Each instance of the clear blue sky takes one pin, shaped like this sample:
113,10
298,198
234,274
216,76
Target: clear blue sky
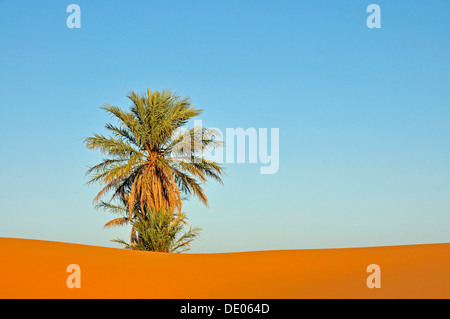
364,115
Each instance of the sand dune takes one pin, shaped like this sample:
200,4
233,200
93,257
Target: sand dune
38,269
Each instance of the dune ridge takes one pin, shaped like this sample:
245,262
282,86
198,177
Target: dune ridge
38,269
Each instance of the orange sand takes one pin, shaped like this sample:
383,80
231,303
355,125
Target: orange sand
37,269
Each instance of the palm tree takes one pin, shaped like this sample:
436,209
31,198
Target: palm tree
150,165
161,232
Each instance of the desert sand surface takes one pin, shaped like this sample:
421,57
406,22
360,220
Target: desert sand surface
38,269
